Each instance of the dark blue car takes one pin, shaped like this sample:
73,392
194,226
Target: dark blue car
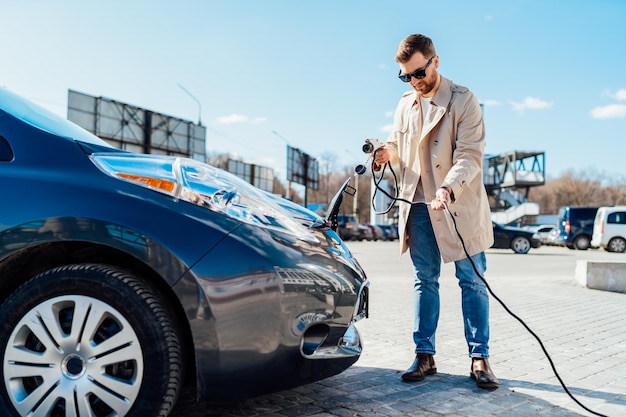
125,278
515,238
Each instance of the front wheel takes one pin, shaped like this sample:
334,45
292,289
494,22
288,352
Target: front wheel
520,244
88,340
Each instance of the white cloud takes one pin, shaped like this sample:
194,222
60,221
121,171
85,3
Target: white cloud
612,111
239,118
531,103
233,118
389,114
488,18
618,95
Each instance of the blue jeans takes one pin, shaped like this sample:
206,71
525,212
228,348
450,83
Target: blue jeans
427,266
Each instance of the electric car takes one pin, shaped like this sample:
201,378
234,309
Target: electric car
125,278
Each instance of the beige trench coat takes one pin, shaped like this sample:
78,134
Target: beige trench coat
449,152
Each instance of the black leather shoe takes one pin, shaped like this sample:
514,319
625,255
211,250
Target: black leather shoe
424,364
483,375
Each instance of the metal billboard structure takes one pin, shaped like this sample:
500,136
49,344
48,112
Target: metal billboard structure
302,169
136,129
260,177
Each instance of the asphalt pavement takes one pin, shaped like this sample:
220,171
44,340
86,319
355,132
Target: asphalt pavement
583,331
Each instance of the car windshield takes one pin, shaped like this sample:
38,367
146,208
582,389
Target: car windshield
44,119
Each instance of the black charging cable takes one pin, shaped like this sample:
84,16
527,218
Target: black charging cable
506,308
543,348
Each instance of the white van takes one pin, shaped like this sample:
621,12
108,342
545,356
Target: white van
609,229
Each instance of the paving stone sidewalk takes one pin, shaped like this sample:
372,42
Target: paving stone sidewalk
583,330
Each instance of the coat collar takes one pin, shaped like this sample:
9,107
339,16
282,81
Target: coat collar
439,105
443,95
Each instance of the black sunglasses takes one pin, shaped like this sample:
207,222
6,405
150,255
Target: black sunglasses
417,74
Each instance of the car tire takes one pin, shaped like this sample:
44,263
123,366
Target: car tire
582,242
520,244
617,244
93,339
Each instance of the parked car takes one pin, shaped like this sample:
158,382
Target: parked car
348,226
126,278
543,231
515,238
390,231
609,229
377,232
365,233
576,226
553,237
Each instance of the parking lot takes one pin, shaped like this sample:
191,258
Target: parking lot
583,330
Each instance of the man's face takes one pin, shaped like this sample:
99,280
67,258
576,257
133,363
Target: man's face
417,62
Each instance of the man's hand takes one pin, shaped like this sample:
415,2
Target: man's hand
442,198
381,156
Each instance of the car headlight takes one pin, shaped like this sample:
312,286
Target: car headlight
203,185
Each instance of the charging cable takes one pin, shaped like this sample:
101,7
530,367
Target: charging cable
543,348
506,308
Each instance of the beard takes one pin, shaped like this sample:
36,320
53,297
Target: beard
426,85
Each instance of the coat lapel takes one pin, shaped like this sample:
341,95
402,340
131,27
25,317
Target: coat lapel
438,106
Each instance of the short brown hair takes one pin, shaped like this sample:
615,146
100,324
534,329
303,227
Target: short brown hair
412,44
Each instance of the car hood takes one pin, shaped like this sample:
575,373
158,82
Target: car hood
182,178
44,119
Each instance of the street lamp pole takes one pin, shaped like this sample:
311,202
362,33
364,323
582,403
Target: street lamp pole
355,200
196,100
288,182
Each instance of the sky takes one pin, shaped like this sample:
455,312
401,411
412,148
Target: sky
320,75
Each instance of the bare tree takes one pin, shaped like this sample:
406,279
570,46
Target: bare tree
218,160
579,188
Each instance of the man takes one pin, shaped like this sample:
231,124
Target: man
437,142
